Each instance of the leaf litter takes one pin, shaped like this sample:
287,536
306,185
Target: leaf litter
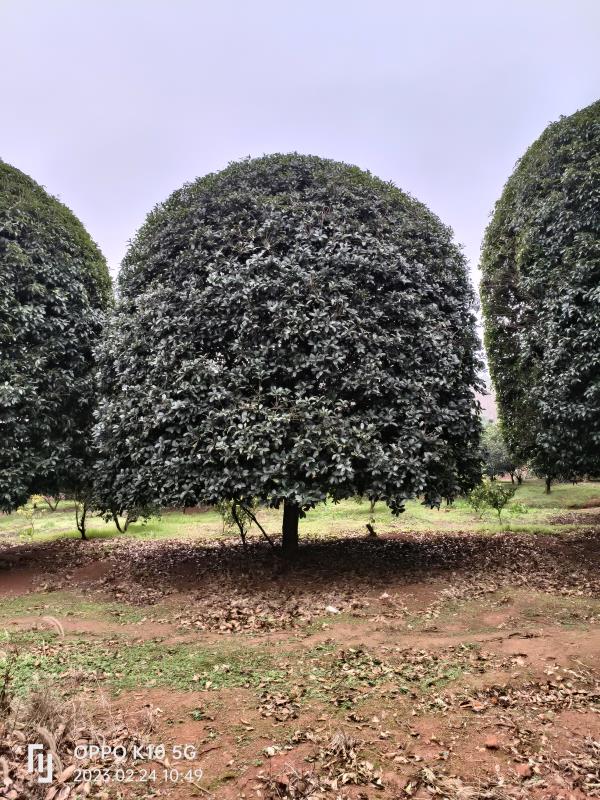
228,592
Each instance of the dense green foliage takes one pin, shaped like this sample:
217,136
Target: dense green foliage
290,329
55,285
541,299
495,456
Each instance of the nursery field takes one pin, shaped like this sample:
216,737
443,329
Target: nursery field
450,656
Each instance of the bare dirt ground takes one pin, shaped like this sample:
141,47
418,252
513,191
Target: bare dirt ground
425,665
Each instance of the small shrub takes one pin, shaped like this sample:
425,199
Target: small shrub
490,495
28,513
517,508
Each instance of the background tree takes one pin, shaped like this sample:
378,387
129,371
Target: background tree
494,453
55,287
541,299
291,329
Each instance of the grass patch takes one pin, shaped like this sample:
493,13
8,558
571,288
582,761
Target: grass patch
571,612
563,495
65,604
122,664
328,519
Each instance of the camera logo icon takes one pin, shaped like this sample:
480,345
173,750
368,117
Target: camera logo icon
41,762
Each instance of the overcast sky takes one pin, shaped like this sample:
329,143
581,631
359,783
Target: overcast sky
113,104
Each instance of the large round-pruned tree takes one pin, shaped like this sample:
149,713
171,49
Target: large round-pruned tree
290,329
54,287
541,299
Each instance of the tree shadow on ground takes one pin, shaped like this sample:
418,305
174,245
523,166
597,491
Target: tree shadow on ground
172,565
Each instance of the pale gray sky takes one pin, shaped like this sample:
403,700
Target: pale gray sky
113,104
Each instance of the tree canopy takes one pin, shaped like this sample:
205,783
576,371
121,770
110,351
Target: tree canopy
541,300
290,329
495,455
55,286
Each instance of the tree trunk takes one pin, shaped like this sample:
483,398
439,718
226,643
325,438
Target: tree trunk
548,484
81,520
289,541
240,525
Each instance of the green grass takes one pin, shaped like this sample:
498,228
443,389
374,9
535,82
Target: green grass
65,604
329,519
37,656
563,495
121,663
60,524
